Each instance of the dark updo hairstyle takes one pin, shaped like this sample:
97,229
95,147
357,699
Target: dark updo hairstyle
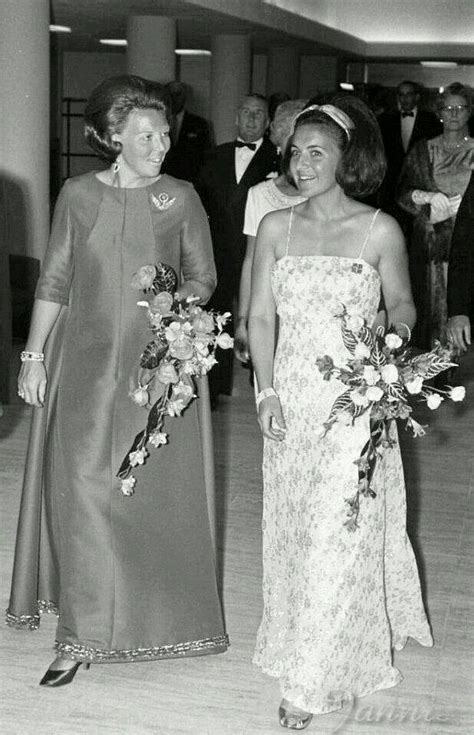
362,166
110,105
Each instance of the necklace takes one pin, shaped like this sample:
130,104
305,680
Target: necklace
453,147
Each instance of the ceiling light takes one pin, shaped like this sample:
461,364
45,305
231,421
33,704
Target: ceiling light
59,29
346,85
439,64
192,52
113,41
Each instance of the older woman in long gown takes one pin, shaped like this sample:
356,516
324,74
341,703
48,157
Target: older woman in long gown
131,578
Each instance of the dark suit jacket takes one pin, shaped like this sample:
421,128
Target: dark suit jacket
461,258
224,201
426,125
186,155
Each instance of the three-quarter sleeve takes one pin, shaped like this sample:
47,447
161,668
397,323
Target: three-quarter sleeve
55,279
197,259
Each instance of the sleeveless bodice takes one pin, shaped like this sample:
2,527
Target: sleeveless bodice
310,291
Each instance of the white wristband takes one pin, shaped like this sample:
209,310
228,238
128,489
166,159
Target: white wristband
265,393
27,356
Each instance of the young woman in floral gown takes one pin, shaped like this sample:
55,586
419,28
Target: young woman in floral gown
336,603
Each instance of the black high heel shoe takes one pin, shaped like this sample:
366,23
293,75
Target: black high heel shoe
60,677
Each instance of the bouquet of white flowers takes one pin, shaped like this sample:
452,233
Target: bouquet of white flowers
380,378
183,346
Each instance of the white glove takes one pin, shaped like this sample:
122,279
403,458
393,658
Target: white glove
440,208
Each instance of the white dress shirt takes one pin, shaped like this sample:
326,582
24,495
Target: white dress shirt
243,156
407,124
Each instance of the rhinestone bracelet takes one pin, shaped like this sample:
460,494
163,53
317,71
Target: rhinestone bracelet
402,324
33,356
265,393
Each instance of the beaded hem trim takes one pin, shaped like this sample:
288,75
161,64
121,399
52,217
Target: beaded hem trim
80,652
31,622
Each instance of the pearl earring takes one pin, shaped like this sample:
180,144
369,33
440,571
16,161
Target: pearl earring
116,167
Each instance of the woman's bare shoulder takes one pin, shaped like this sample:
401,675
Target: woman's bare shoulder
273,222
386,226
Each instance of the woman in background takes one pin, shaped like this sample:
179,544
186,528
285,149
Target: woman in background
131,578
434,177
336,603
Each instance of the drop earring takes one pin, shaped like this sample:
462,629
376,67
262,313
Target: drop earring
116,167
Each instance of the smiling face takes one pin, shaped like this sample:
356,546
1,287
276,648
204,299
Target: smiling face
252,119
454,113
145,141
314,159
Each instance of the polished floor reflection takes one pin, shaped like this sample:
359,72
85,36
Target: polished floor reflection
225,694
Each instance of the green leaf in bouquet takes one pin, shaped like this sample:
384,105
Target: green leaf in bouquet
366,336
153,353
377,357
436,365
396,390
125,467
342,403
348,338
165,279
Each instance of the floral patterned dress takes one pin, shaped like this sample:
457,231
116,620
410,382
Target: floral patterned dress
335,602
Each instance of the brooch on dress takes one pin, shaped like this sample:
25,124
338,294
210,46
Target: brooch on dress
163,201
357,267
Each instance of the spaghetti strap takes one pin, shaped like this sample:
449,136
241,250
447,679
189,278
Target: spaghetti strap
368,234
288,234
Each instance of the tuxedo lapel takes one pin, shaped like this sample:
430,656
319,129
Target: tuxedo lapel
258,167
226,173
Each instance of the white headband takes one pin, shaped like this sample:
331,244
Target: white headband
339,117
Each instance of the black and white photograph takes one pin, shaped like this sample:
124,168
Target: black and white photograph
237,367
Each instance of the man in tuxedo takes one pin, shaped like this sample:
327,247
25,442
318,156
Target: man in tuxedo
229,171
401,129
191,138
461,273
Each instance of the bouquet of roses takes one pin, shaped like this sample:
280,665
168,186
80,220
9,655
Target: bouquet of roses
185,338
380,378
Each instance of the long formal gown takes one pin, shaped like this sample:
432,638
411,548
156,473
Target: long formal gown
336,603
429,167
132,578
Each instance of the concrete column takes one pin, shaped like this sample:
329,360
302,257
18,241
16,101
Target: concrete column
283,70
24,125
151,47
230,80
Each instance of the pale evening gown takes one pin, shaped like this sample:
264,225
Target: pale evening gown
336,603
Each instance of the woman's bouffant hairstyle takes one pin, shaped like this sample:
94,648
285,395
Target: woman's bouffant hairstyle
458,89
283,118
362,166
110,105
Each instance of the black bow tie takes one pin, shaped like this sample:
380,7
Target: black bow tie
408,114
241,144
